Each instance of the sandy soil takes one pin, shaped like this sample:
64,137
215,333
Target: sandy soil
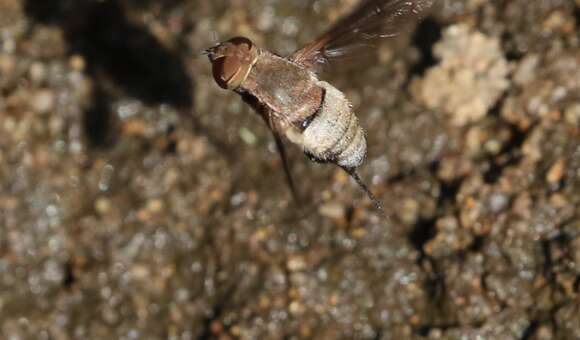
138,200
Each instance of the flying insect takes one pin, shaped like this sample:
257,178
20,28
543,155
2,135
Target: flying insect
288,94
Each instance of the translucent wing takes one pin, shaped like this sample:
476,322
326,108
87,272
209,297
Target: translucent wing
369,21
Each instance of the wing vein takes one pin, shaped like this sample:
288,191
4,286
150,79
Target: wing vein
369,21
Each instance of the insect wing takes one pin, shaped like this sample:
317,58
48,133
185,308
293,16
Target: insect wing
370,20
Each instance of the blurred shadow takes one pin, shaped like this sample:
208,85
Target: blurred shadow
426,35
124,52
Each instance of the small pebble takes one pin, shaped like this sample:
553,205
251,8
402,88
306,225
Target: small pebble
37,72
43,101
77,62
296,263
332,210
103,205
556,172
155,205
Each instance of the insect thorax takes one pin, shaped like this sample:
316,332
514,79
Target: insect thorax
284,87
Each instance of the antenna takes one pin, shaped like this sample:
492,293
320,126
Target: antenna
354,175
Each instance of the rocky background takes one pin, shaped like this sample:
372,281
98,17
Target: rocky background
140,201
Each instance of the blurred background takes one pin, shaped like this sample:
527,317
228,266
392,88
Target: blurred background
138,200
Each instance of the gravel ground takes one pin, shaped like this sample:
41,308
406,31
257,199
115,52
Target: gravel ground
138,200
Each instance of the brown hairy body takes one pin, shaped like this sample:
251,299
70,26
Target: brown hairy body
295,104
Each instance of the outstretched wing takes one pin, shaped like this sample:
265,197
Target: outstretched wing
369,21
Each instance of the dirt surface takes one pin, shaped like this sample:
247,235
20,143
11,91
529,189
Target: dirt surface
139,200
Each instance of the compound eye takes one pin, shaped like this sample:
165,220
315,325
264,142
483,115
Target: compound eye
242,42
225,70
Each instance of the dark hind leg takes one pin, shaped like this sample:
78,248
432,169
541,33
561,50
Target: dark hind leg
286,166
354,175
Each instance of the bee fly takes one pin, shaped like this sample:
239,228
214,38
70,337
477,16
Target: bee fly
287,94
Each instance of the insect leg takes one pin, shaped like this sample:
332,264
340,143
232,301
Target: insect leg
286,165
274,125
354,175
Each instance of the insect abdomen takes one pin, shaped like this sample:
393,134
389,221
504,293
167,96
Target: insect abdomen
334,134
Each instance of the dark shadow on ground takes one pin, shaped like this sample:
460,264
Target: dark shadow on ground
119,51
428,32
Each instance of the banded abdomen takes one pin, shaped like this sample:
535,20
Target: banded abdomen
333,134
